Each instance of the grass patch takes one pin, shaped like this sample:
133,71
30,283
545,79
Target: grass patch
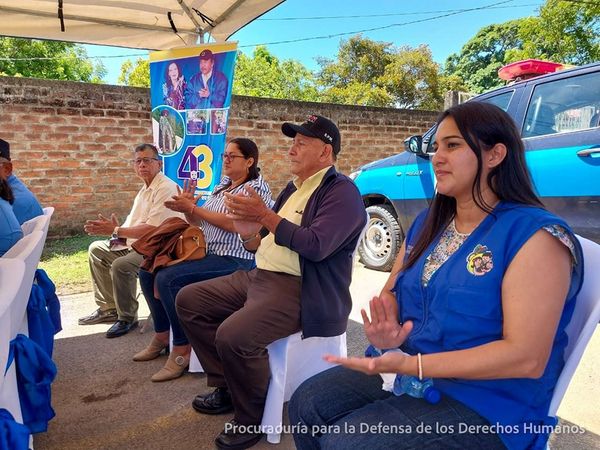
66,262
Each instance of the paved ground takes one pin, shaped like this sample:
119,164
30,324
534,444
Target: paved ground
104,400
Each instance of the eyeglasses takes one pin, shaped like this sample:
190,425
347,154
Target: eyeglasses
146,161
230,156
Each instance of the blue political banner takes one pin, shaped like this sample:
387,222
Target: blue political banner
190,95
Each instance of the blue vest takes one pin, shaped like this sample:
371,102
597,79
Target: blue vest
26,206
10,229
461,307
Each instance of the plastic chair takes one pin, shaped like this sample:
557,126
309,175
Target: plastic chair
29,250
583,323
294,360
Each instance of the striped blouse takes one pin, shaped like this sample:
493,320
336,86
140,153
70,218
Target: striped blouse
219,241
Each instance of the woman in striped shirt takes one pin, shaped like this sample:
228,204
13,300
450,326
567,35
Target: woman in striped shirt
225,253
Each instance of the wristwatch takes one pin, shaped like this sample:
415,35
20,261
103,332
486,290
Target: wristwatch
115,233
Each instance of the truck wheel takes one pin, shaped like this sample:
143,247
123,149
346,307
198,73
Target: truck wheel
382,240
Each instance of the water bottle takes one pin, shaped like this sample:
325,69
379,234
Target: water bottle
411,385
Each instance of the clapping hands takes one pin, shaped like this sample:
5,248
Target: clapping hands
101,226
185,200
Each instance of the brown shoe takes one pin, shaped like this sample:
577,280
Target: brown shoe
151,352
174,368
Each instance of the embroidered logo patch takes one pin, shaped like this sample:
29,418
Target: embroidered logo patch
479,261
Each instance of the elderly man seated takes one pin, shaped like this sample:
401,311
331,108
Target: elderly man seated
113,264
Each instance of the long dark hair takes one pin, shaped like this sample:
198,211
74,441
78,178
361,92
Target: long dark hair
482,125
250,150
6,192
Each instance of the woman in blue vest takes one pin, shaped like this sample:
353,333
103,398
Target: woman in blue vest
478,301
10,230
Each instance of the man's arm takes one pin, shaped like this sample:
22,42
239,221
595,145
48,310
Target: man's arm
340,214
191,93
219,93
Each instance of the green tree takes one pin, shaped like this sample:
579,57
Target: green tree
48,59
563,31
372,73
135,73
265,75
480,58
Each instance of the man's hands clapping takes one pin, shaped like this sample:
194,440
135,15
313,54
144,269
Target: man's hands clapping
101,226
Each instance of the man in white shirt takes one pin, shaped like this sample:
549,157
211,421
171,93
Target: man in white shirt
113,264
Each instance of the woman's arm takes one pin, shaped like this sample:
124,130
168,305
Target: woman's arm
214,218
534,289
185,202
391,281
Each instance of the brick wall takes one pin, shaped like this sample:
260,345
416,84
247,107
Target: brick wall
71,142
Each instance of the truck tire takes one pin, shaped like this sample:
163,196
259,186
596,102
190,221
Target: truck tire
382,240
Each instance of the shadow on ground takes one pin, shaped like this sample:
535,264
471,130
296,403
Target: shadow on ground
104,400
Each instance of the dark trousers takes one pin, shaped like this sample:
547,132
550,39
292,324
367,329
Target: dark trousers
340,409
169,280
229,321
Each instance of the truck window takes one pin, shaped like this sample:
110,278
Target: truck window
564,105
501,101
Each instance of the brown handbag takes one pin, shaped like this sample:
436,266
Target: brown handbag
190,245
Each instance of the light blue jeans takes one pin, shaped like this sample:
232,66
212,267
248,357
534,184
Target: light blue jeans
169,280
343,409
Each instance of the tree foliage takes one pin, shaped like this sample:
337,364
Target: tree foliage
265,75
48,59
135,73
563,31
481,57
372,73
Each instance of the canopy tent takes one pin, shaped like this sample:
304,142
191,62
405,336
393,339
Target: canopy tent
145,24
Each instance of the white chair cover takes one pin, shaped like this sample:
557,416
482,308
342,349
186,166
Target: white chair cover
12,272
583,323
29,250
36,224
294,360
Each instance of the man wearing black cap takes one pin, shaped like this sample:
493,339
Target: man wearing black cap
26,205
207,89
304,249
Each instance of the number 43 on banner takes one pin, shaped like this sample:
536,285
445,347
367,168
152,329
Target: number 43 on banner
197,161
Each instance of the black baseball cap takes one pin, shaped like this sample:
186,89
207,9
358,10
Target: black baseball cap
318,127
4,149
206,54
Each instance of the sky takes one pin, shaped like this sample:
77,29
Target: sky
318,26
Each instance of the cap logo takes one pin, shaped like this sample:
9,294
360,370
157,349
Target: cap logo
328,137
312,118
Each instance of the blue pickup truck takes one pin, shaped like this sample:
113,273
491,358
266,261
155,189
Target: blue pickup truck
559,118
